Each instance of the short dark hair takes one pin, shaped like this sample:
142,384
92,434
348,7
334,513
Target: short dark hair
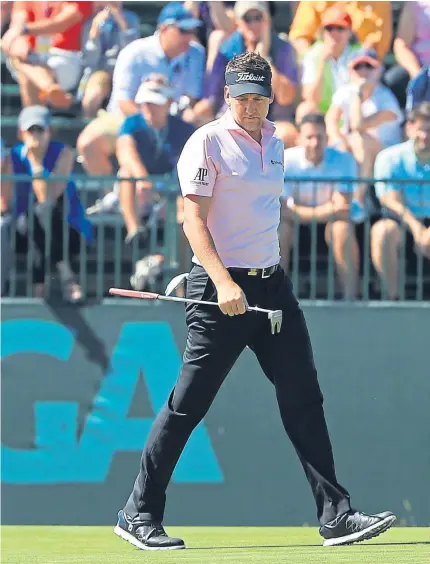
314,118
421,111
249,62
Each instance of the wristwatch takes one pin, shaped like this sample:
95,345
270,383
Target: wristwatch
24,30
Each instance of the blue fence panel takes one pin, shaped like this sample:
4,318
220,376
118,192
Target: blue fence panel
345,268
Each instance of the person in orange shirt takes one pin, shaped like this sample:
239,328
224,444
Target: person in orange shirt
43,46
371,22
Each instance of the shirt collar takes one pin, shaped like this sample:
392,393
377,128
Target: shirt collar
157,49
310,164
228,123
343,57
418,163
160,52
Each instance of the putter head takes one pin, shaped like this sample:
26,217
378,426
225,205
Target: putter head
275,318
175,283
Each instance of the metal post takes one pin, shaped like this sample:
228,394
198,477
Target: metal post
30,245
331,269
366,261
83,248
295,249
314,236
100,260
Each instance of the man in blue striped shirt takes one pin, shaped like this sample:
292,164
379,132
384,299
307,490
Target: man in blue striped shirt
170,51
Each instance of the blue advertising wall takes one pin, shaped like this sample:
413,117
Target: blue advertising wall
81,386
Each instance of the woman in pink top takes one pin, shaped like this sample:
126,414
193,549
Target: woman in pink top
231,176
411,47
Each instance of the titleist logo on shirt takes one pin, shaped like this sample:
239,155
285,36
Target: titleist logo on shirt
248,76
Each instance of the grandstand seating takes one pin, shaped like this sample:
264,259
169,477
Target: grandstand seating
66,127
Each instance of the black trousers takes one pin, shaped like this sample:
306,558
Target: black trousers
214,343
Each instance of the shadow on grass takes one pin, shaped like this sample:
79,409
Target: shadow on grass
259,547
396,543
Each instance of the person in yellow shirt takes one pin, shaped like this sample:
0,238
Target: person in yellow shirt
371,22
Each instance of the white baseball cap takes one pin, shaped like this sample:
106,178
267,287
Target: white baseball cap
151,92
241,8
34,115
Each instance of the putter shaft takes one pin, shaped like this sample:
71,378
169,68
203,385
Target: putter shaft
190,301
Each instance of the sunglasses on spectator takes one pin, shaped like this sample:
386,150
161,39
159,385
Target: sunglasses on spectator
249,18
330,28
184,31
36,129
360,66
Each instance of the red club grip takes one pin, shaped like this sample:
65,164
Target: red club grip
133,294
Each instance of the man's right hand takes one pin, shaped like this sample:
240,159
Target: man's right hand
231,299
97,22
142,186
328,50
35,152
143,191
118,16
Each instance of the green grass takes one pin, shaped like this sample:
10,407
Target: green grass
210,545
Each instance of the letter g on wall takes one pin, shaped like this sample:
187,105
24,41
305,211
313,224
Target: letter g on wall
55,422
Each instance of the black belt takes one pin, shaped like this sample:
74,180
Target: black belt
257,272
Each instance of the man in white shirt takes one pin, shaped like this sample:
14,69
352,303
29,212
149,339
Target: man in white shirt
324,203
370,114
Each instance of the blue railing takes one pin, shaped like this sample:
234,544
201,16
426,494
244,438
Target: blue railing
313,265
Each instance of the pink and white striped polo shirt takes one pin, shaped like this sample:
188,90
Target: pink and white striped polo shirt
245,180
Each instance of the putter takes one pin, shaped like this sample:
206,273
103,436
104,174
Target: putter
175,283
275,316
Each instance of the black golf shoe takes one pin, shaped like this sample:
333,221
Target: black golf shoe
355,526
145,535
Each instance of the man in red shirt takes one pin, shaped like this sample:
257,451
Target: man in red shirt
43,44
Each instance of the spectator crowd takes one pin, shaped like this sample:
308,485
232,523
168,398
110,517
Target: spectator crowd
351,105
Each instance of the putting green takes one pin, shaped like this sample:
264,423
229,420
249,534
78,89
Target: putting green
211,545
